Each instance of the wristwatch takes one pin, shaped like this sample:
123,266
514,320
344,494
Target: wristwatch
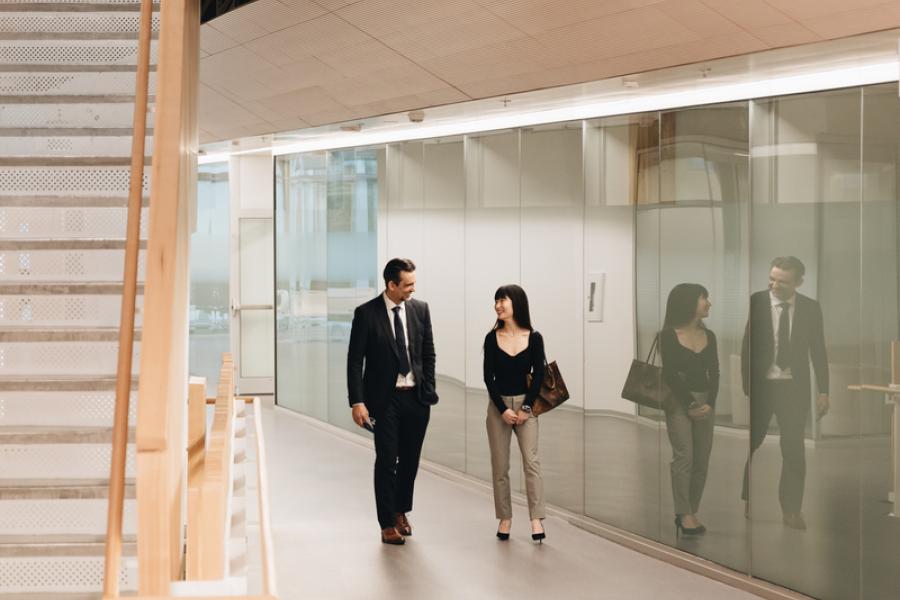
526,408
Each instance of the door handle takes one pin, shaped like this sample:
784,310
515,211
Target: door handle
237,309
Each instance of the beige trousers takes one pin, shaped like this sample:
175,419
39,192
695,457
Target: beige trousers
499,434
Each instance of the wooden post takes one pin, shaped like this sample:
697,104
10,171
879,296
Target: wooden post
163,375
196,463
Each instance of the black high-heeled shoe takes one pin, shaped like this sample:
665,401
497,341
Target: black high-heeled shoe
503,537
539,537
681,529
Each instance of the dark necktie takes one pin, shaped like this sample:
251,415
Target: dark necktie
400,338
783,360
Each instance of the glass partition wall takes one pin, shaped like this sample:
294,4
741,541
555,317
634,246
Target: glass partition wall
600,221
209,273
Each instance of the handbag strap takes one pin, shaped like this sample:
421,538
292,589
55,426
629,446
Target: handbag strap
654,349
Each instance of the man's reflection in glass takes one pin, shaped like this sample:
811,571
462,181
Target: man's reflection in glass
784,331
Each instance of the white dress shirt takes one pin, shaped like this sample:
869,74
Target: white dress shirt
776,372
408,380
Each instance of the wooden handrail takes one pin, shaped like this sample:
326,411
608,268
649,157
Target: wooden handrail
270,587
116,505
211,543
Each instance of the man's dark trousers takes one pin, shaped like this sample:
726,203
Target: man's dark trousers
780,398
399,434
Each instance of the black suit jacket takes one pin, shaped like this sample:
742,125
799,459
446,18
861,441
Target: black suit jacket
373,361
807,342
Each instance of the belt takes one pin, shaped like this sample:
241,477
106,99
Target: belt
407,388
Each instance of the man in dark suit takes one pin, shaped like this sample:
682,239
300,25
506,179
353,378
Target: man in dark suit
390,379
785,330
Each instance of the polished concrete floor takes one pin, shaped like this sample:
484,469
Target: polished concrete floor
327,541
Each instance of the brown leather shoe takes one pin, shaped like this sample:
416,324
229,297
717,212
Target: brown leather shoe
403,525
795,521
390,535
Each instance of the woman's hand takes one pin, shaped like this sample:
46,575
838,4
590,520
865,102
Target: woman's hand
699,412
509,416
522,416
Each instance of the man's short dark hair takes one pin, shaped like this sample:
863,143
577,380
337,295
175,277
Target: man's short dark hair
394,267
790,263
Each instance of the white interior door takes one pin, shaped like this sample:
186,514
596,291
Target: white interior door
252,276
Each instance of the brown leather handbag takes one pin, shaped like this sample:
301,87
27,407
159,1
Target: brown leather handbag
645,384
553,390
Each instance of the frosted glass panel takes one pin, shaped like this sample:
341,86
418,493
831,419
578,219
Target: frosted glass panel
256,261
209,319
257,352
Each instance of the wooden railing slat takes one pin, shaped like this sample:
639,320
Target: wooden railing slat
116,504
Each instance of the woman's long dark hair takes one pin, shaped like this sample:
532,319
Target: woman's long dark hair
681,308
519,300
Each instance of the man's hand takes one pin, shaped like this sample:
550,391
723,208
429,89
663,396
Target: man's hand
360,414
822,405
699,413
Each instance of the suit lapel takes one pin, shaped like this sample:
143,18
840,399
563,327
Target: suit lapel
412,325
384,321
770,324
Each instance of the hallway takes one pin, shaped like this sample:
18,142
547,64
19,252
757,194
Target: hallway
327,545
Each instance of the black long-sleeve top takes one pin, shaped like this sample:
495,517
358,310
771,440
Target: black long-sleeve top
687,371
505,375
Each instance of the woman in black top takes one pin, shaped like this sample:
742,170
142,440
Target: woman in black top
690,362
512,351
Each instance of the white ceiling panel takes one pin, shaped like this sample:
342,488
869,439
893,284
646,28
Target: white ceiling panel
789,34
331,4
212,40
380,18
615,35
697,17
538,16
318,36
334,114
749,14
801,10
358,59
302,102
278,64
855,21
447,36
308,72
275,15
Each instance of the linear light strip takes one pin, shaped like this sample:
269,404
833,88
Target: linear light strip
637,102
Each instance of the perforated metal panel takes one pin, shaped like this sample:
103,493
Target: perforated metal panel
50,409
22,222
71,181
71,52
71,146
60,517
95,22
78,84
66,265
59,574
61,358
64,311
112,114
59,461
